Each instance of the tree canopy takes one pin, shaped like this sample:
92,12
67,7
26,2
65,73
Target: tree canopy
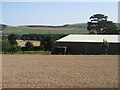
48,41
29,45
101,25
12,39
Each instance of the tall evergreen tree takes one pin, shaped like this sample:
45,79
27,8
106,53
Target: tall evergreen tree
101,25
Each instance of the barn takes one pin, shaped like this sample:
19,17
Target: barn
88,44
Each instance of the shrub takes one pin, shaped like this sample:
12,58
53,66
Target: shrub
92,32
28,46
105,46
6,47
48,42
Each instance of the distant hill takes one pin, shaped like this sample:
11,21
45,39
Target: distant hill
44,29
2,26
81,25
80,28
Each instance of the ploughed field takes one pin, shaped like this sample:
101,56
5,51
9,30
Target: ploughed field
55,71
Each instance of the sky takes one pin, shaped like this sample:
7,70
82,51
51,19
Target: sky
55,13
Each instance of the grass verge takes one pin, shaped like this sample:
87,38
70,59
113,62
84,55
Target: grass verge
28,52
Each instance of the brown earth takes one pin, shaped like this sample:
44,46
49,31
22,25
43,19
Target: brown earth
67,71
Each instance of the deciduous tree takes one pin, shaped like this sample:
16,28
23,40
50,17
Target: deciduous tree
48,41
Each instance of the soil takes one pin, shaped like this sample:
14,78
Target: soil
60,71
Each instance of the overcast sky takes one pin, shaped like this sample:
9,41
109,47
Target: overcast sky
55,13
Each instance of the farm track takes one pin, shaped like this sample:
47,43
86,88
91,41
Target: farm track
55,71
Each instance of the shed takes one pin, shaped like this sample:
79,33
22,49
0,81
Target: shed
89,44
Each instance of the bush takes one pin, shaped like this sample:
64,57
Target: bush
9,45
36,48
6,47
19,48
13,48
92,32
12,39
48,41
29,46
105,46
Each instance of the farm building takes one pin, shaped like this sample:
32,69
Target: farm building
87,44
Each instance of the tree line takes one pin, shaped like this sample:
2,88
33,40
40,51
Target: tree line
47,42
47,26
98,25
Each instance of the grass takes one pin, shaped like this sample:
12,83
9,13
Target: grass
29,30
28,52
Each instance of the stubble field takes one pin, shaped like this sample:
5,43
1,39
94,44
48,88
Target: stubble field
55,71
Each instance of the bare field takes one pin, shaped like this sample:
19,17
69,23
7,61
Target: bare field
55,71
22,43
